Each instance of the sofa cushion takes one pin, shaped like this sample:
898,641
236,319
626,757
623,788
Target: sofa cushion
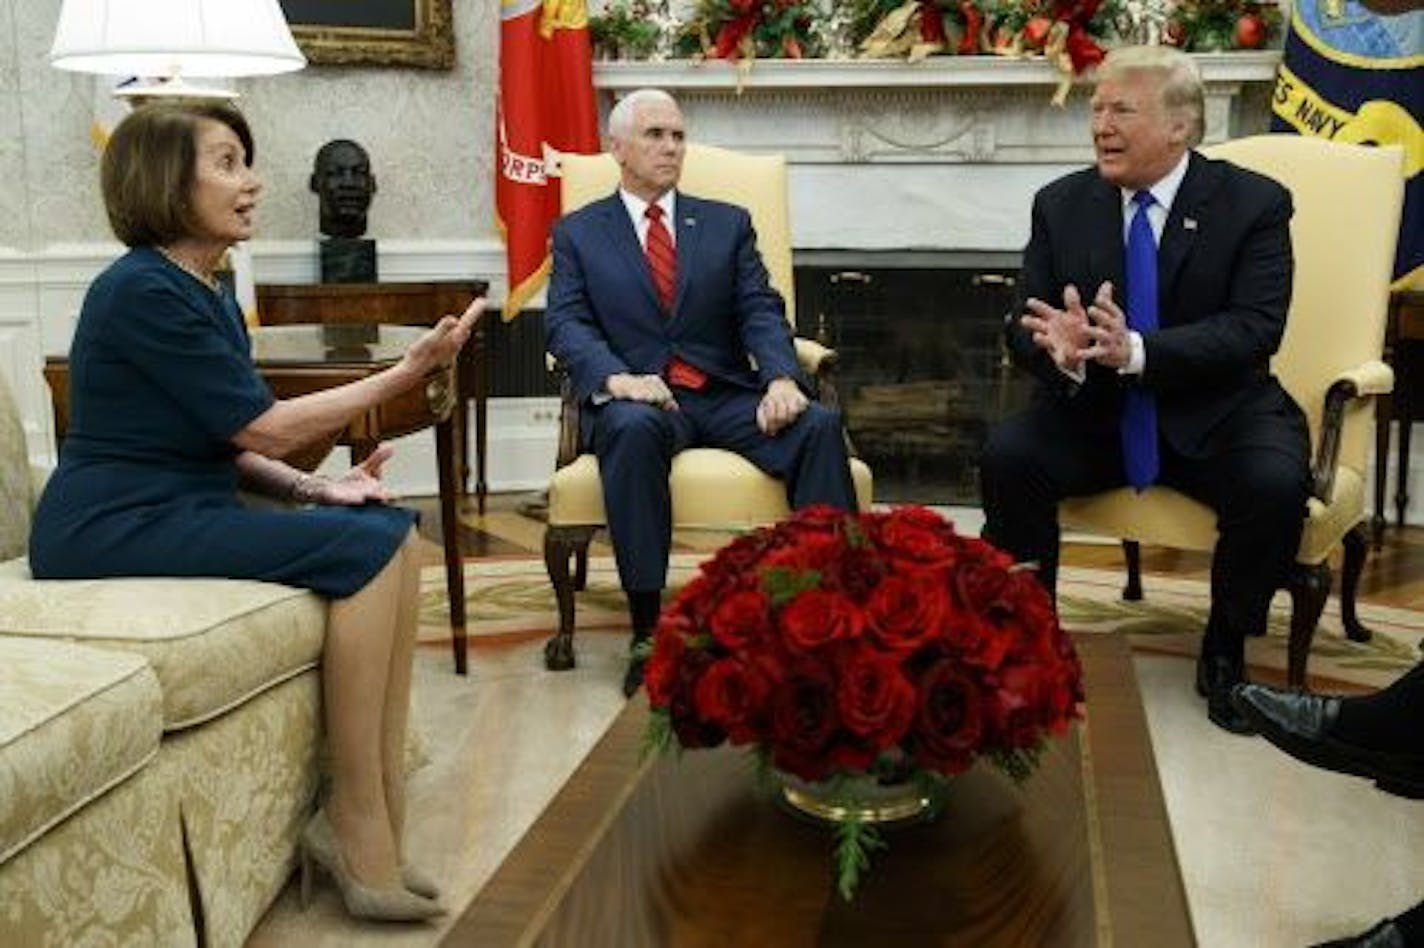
213,643
74,721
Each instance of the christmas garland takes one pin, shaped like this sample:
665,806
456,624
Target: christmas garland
1072,34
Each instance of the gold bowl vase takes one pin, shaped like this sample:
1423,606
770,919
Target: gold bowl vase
863,798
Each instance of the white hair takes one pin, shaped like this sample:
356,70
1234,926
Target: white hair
622,118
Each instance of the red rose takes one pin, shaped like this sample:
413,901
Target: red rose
856,572
810,552
949,720
803,718
661,674
917,535
690,728
818,616
741,619
732,695
875,700
1018,699
906,611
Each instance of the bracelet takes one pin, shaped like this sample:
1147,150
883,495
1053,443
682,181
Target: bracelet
305,488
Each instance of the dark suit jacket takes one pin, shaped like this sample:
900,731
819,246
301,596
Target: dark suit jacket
1224,278
603,314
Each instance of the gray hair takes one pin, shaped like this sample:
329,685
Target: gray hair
622,118
1181,81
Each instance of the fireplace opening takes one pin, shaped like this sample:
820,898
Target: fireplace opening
922,374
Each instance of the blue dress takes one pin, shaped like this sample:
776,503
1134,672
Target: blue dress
161,379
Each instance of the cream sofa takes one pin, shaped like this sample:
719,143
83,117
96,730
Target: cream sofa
158,745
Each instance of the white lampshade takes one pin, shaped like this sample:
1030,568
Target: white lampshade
173,38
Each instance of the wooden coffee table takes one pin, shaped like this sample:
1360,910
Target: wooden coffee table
687,851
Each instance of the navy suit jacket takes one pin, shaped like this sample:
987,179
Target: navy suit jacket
604,317
1224,281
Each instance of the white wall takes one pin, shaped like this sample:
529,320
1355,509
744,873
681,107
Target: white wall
429,134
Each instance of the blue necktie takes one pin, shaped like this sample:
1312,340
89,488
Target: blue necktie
1139,411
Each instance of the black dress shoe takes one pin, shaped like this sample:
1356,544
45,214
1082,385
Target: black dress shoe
1384,935
1216,676
633,677
1302,725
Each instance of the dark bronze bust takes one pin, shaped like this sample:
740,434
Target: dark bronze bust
342,179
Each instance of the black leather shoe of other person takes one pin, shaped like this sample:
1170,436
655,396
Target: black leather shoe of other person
1384,935
1217,675
1303,725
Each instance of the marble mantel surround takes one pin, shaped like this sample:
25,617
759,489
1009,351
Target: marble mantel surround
940,155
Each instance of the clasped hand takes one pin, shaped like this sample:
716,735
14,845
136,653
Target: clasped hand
782,404
1077,334
439,347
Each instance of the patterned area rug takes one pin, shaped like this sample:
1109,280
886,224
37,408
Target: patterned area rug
512,598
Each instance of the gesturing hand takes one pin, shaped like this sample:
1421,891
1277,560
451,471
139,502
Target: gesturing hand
438,347
782,404
360,485
1062,333
1108,330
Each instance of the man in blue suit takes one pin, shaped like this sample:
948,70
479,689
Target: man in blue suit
658,304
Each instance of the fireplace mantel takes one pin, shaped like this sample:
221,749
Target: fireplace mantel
943,154
933,72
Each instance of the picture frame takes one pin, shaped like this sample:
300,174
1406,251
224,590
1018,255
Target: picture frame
414,33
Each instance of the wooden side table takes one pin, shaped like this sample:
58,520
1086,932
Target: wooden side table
298,360
411,304
1404,351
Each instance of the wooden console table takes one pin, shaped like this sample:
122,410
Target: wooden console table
1404,351
412,304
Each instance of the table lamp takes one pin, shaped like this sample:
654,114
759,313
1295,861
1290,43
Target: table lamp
171,40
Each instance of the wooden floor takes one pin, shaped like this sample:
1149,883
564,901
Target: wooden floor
1394,575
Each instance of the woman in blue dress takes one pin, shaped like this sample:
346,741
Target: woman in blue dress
170,419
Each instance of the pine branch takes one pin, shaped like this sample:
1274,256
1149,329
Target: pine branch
855,841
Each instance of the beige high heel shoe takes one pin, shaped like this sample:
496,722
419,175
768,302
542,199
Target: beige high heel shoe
387,905
418,882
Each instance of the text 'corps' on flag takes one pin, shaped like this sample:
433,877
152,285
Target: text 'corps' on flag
546,107
1354,72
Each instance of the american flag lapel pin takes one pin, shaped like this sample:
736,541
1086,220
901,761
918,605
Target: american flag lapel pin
1189,223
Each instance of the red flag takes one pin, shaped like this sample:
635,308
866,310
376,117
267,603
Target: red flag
546,107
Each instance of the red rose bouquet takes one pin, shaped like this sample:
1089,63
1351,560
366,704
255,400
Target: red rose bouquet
841,645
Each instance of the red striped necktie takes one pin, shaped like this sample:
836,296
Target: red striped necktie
662,259
662,262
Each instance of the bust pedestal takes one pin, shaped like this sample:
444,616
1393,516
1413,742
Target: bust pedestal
348,260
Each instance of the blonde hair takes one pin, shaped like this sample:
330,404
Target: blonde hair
1179,81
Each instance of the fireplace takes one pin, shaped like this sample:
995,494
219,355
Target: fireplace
921,376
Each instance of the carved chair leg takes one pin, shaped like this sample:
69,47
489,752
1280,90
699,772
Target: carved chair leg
562,545
1132,553
1309,588
581,568
1356,549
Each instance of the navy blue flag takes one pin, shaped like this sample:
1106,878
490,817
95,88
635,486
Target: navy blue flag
1351,75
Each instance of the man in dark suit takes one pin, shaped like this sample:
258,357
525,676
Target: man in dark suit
1156,286
657,302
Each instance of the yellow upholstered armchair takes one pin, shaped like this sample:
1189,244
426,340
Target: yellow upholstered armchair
711,488
1347,209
